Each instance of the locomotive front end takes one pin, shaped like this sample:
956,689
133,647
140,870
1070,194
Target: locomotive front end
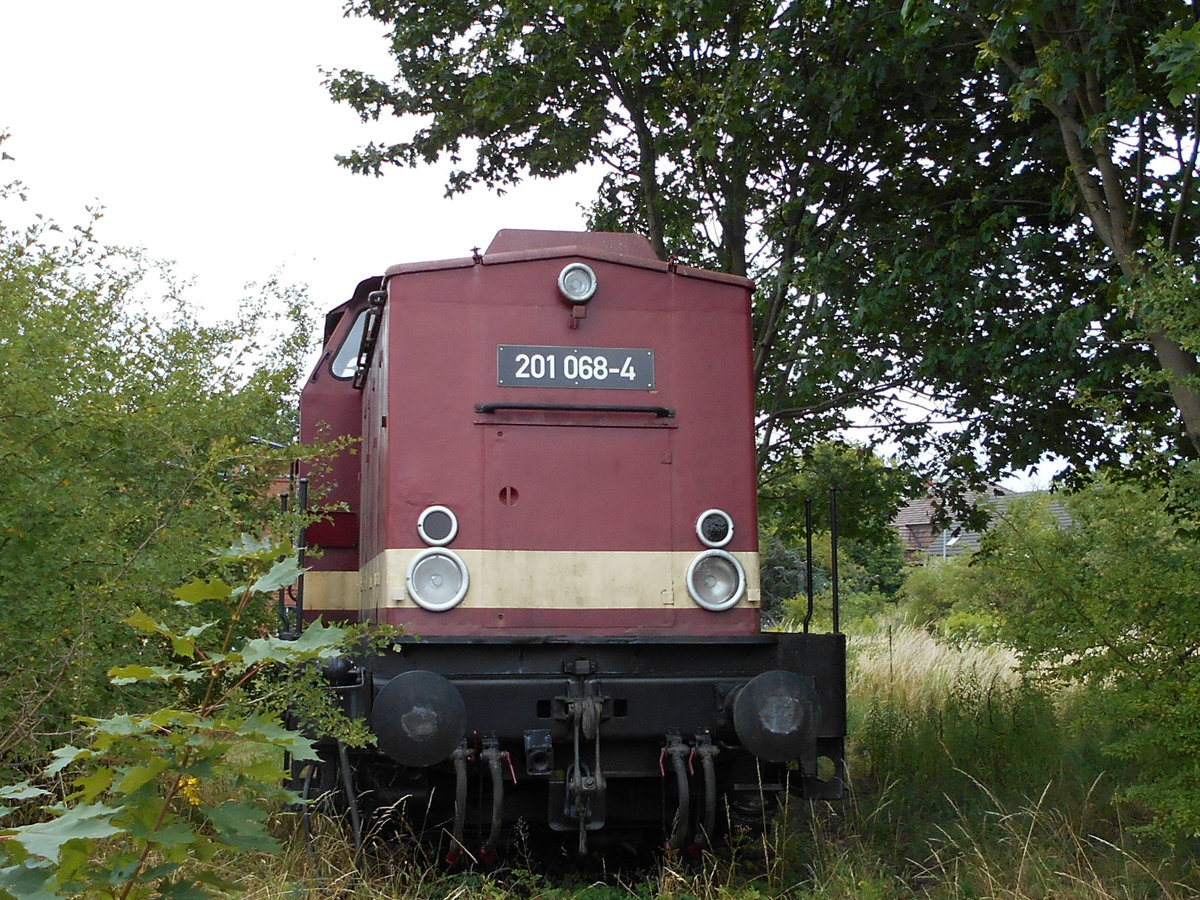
554,498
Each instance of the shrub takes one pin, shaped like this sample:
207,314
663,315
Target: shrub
126,437
1108,605
157,795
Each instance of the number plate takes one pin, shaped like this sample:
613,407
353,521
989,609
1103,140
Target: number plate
575,367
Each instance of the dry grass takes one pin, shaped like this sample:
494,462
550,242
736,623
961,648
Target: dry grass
911,667
1033,851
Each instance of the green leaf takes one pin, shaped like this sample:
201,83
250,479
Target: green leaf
1178,54
316,642
94,784
181,718
131,674
184,890
21,791
163,870
64,756
85,822
137,776
241,826
271,732
143,622
72,859
184,646
285,572
121,725
198,591
266,770
28,883
172,837
249,548
162,674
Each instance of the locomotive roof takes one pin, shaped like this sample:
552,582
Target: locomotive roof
511,245
518,240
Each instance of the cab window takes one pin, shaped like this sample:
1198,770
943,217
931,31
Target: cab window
345,361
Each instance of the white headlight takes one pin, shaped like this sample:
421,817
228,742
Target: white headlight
716,580
437,579
577,283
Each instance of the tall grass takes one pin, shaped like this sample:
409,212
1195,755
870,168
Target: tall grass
934,719
970,781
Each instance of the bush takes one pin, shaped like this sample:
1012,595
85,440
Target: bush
1112,603
1108,606
159,793
127,441
945,597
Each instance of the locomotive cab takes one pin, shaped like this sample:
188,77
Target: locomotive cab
553,496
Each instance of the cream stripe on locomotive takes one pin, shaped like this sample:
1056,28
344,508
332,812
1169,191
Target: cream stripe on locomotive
332,591
540,579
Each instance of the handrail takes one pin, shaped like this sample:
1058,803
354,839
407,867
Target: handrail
661,412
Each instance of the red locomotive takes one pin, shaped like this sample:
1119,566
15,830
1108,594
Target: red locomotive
554,495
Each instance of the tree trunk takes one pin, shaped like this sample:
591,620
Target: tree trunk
1106,209
1104,204
1098,176
648,177
1181,369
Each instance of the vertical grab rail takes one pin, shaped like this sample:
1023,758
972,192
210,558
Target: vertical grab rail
291,618
301,555
833,540
833,562
285,619
808,564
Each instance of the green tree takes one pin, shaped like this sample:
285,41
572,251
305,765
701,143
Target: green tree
1113,87
133,442
734,135
916,251
868,489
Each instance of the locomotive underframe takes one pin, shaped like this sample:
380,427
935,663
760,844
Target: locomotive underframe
601,736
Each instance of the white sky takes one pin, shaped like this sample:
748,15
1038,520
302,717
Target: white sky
204,131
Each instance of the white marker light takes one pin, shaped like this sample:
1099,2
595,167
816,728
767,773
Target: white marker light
437,526
714,527
577,283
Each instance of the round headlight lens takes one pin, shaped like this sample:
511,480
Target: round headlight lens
716,580
437,526
437,579
714,528
577,282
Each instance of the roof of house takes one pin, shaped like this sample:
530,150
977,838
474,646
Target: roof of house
915,522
